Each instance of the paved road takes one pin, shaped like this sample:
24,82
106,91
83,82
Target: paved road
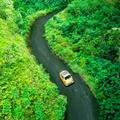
81,103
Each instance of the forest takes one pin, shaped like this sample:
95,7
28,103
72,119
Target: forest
86,35
26,92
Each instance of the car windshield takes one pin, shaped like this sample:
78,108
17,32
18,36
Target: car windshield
67,77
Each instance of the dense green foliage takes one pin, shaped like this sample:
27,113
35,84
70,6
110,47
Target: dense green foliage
24,9
87,36
26,92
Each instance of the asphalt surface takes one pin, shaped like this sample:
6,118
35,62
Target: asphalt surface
81,103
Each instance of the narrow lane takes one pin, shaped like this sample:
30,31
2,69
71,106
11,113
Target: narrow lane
81,103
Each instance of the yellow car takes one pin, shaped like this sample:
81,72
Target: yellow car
66,78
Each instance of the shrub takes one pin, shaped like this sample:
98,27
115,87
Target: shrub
25,89
92,34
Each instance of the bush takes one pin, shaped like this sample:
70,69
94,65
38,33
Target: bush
24,10
25,89
90,29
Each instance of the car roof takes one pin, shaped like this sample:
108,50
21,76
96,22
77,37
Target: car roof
65,73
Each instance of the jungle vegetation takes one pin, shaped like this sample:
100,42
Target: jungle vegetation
26,92
86,35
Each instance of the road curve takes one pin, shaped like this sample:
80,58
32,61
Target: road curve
81,103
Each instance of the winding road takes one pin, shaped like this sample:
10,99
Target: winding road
81,103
